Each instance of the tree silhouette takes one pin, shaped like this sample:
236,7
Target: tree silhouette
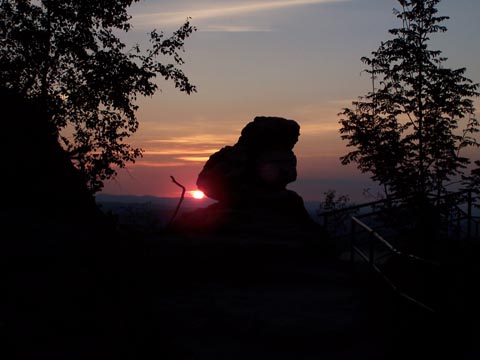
67,54
409,130
472,181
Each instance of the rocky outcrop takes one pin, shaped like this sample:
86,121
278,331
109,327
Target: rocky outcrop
249,181
260,164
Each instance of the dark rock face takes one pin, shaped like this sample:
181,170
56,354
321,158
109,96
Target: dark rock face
46,205
40,172
260,163
254,208
255,214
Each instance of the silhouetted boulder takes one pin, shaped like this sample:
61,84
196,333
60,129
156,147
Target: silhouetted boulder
249,182
260,163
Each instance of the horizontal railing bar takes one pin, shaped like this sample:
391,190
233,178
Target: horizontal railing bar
361,253
466,217
352,207
392,200
370,214
390,246
391,284
399,292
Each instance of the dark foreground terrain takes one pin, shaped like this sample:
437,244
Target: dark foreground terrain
172,297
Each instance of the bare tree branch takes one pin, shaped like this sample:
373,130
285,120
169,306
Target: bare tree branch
179,201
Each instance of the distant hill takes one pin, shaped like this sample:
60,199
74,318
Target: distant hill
150,210
166,201
145,212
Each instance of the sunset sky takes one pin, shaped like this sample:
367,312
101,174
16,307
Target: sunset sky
298,59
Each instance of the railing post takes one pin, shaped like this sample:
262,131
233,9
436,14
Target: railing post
469,214
325,221
371,249
352,241
459,226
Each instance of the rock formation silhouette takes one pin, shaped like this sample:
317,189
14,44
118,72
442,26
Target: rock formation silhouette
249,181
260,164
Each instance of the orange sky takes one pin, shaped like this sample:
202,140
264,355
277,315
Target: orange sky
298,59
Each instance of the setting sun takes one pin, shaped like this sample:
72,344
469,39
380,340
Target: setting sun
197,194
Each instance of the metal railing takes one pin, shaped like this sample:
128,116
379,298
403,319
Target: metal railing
373,239
359,227
462,222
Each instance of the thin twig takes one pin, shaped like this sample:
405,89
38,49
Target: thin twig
179,201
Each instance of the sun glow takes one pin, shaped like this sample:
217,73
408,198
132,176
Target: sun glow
197,194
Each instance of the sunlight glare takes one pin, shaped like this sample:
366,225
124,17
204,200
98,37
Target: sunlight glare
197,194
